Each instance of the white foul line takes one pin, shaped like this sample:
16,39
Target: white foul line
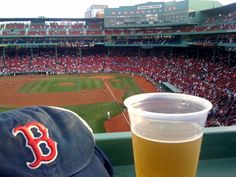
116,101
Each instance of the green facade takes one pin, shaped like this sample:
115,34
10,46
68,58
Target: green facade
198,5
156,13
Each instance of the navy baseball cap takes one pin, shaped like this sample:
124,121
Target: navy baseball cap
46,141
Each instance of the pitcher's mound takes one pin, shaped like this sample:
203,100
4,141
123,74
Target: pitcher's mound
66,84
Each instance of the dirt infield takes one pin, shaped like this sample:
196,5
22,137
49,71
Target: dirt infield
120,123
9,97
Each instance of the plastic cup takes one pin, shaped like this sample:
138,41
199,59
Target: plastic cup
167,131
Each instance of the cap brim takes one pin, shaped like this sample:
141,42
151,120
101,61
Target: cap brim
94,169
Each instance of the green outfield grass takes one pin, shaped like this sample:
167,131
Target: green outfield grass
93,114
127,83
96,114
2,109
52,85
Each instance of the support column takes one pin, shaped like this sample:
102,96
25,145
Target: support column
197,53
229,58
80,52
214,55
32,53
139,51
56,51
3,53
108,51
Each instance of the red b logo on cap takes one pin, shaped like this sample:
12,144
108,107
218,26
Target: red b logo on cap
34,143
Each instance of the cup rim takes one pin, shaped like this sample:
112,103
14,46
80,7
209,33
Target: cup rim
152,115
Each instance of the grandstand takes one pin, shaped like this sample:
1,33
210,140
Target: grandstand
190,47
184,46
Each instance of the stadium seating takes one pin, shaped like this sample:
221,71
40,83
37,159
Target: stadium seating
194,54
14,26
213,81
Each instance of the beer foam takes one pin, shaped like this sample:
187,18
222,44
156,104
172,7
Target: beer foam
170,141
167,132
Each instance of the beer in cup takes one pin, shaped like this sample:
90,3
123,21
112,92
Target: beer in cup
167,131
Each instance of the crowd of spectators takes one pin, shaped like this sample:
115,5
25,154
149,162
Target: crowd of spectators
221,18
213,81
215,23
161,41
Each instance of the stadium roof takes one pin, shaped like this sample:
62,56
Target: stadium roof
223,9
51,19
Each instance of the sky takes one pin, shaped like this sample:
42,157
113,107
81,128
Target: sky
62,8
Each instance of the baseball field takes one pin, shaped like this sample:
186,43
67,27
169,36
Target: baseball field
91,96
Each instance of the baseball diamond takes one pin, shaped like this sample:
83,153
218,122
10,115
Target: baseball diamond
180,46
89,95
66,81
